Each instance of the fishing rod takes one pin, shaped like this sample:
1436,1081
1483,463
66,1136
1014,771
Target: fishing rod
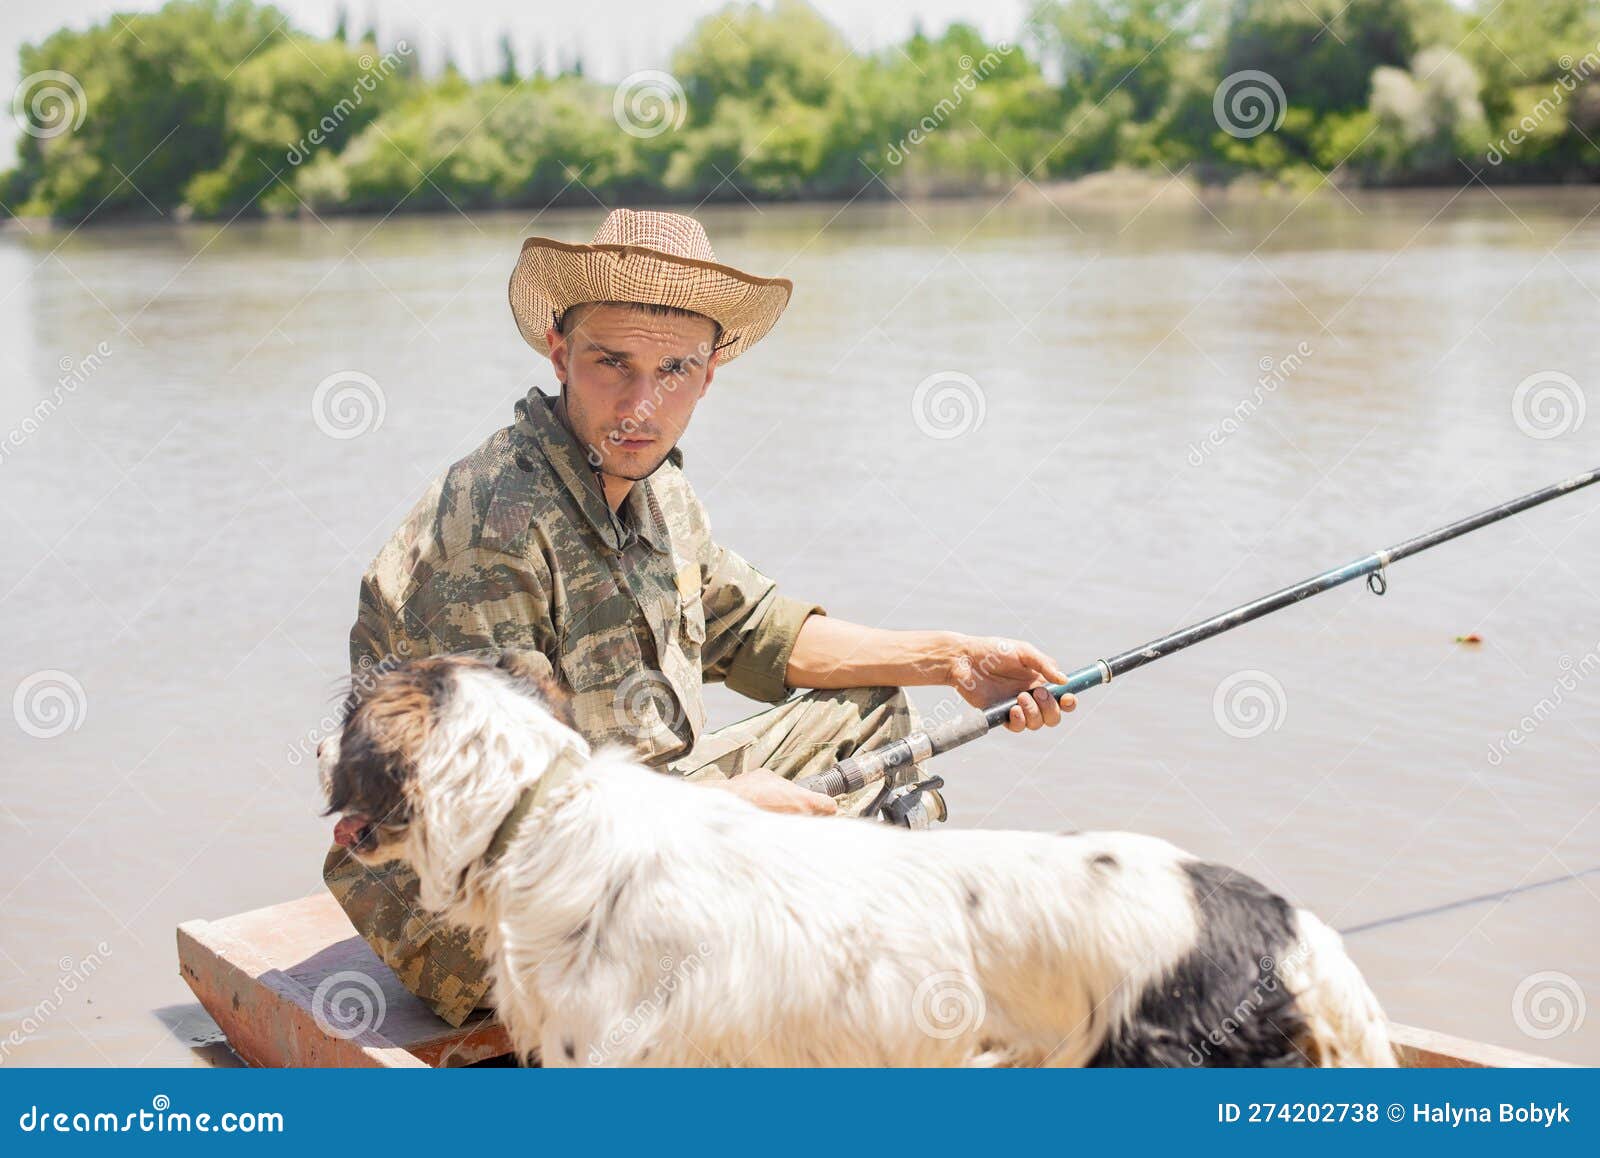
857,771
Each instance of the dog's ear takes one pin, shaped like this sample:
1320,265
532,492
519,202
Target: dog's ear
368,765
533,668
484,744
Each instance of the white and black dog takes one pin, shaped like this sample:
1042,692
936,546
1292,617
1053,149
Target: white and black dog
634,919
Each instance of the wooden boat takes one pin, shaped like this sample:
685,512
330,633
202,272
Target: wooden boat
258,973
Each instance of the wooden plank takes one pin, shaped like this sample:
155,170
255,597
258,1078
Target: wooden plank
266,1013
1428,1049
257,974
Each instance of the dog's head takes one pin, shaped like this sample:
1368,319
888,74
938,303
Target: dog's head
432,756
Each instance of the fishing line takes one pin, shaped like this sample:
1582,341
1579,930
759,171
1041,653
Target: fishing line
1434,910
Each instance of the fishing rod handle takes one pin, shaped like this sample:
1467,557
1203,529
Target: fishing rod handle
856,772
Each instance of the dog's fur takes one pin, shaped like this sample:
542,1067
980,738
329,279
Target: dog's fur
634,919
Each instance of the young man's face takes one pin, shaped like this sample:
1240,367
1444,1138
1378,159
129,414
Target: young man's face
633,380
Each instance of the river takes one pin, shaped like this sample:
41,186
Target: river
1083,422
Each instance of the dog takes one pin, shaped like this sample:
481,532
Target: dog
632,919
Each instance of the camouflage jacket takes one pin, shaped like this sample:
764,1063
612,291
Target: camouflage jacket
515,547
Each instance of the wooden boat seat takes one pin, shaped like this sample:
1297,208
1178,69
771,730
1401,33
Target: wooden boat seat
257,975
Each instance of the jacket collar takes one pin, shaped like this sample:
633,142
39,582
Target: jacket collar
537,421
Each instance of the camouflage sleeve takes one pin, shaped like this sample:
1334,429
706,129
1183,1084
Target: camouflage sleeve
475,601
750,627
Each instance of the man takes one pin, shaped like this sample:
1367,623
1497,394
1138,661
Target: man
573,539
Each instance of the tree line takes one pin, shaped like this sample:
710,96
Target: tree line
217,108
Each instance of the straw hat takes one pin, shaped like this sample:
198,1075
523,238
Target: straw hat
649,257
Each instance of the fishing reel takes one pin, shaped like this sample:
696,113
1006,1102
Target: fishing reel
918,805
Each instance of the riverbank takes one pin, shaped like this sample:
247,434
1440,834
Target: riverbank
1117,190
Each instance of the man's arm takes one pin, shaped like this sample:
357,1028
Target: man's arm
832,653
750,626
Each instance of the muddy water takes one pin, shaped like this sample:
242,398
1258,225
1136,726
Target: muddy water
1137,416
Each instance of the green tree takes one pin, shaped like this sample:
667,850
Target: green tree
477,146
155,92
1540,63
959,112
220,106
1323,52
1515,43
508,61
285,105
764,91
1103,46
1425,118
769,58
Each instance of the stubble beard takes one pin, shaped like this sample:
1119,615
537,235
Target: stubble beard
605,456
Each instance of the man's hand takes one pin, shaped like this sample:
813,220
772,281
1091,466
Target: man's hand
772,792
986,670
830,653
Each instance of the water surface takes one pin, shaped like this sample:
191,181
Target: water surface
183,539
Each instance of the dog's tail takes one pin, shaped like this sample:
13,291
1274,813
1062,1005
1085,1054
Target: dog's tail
1345,1026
